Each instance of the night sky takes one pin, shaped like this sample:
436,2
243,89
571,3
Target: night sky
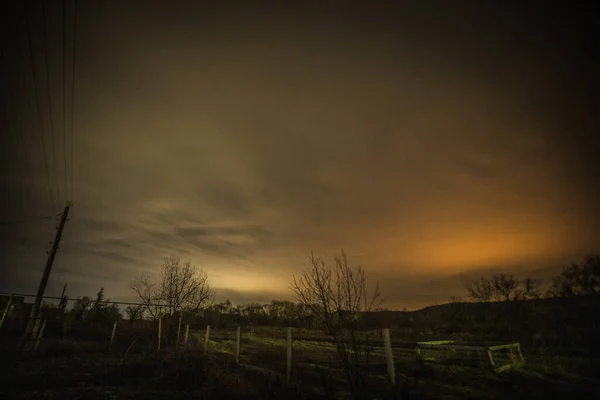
430,140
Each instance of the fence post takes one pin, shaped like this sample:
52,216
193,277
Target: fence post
289,356
112,336
179,326
206,337
522,359
237,345
491,358
39,336
187,332
36,327
6,310
387,344
159,329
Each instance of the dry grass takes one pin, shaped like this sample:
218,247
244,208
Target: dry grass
89,370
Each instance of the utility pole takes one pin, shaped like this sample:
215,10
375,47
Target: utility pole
35,310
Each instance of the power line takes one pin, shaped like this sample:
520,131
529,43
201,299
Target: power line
24,163
73,100
45,28
38,108
16,125
29,108
101,301
64,94
21,123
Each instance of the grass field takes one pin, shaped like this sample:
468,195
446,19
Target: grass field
88,370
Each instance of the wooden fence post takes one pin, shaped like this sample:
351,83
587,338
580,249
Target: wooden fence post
114,331
39,336
237,345
179,327
187,332
206,337
6,310
288,371
36,327
522,359
387,344
491,358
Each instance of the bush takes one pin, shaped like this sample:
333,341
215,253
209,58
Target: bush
186,368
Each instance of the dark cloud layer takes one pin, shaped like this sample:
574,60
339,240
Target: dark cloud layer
428,142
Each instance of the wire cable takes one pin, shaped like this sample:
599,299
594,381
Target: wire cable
64,95
38,108
12,126
45,28
25,126
24,162
73,102
22,127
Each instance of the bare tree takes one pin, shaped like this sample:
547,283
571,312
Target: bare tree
337,297
505,287
480,290
134,312
530,289
183,285
147,291
578,279
180,285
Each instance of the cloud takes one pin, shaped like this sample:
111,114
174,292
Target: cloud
96,225
418,152
112,256
225,241
203,231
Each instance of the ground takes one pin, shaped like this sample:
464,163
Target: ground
78,370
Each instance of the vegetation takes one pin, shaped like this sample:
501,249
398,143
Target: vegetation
337,348
578,279
180,286
337,298
503,287
134,313
575,280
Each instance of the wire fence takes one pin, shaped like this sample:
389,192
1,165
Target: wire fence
277,349
126,303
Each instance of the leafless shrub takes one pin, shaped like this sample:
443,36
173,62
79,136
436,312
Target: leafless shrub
180,285
480,290
337,297
530,289
134,312
503,287
577,279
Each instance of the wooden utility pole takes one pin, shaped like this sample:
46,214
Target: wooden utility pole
35,310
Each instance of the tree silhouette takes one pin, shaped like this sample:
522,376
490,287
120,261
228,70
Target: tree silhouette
502,287
337,297
480,290
134,312
181,285
578,279
505,287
